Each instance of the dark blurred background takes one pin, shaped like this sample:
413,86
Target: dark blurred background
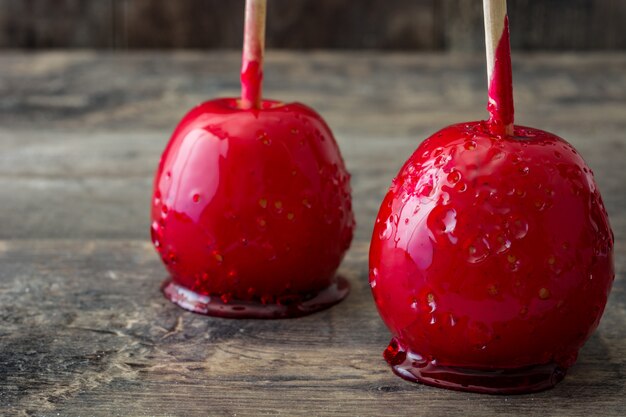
302,24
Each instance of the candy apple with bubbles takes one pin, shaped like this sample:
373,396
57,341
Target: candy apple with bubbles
251,212
491,259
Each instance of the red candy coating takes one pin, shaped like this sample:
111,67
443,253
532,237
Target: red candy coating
251,211
500,104
251,83
491,260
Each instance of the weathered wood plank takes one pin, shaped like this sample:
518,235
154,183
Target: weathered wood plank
398,93
399,24
83,328
62,185
217,24
88,129
540,25
45,24
86,332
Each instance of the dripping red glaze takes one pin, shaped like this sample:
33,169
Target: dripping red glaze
500,104
491,260
251,211
251,82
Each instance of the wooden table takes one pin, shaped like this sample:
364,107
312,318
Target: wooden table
84,330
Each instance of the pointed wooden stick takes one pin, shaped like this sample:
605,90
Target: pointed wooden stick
253,50
499,75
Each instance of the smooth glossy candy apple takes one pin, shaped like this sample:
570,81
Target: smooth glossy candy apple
491,260
252,211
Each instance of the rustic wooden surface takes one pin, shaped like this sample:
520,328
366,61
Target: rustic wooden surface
396,24
84,330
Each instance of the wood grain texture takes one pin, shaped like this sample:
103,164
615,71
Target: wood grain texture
84,330
86,333
397,24
541,25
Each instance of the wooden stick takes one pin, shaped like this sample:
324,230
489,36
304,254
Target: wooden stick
499,74
253,50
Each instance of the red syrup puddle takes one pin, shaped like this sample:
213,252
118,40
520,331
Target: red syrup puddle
415,368
500,105
295,306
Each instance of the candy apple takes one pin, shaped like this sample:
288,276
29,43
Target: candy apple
491,257
251,211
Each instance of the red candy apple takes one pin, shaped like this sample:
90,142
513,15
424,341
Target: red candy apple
251,211
491,258
492,254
